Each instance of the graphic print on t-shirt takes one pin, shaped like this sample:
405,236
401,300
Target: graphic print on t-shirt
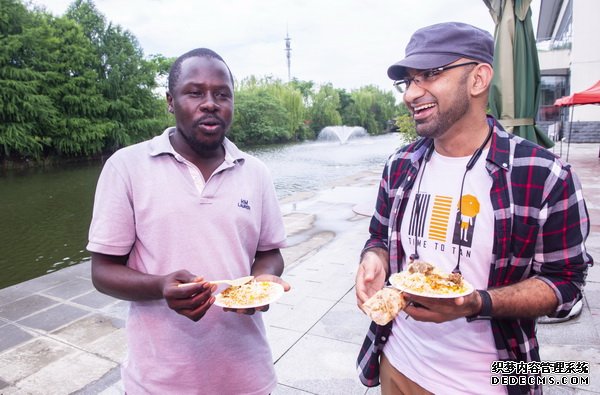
443,221
440,216
466,214
418,215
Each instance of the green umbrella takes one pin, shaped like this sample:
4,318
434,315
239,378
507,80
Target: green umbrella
515,91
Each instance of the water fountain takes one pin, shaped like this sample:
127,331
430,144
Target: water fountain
341,133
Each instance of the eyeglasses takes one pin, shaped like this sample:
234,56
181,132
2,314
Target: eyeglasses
425,76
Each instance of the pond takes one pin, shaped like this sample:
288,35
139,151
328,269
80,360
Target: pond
45,212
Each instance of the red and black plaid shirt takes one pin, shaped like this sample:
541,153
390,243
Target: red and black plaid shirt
540,226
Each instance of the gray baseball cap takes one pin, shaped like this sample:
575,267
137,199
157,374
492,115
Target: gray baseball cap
443,43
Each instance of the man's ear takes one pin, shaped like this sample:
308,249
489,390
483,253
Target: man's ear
482,79
170,103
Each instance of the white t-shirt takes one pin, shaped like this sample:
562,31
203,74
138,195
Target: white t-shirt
452,357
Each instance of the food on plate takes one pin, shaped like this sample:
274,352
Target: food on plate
252,294
422,278
385,305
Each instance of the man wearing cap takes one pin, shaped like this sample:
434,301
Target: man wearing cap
471,198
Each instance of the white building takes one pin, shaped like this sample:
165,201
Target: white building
568,40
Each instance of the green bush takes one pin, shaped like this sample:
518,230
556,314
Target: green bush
406,127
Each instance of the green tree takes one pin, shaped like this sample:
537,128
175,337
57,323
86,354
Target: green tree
288,96
370,108
405,124
346,101
324,110
73,85
160,66
259,118
23,106
305,88
292,100
70,81
127,80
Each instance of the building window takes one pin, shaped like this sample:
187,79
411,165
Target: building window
552,87
562,38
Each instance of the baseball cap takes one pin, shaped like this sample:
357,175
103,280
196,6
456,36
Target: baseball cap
443,43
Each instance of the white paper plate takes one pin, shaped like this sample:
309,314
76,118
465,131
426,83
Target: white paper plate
275,292
468,290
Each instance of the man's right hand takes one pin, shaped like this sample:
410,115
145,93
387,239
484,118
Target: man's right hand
191,301
371,274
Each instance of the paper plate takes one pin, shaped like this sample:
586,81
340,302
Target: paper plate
267,293
468,289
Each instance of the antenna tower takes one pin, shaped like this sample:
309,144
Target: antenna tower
288,51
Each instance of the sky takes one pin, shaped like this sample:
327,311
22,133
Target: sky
348,43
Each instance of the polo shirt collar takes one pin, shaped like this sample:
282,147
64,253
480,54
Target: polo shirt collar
161,144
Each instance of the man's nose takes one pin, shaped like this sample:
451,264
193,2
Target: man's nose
209,103
412,92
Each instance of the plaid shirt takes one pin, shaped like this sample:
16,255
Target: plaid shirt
540,226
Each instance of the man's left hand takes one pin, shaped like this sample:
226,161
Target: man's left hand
441,309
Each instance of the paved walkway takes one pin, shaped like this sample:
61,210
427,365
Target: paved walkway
60,336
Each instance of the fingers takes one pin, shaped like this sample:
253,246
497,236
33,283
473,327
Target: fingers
248,311
274,279
369,280
192,301
240,311
286,286
421,313
199,312
361,296
434,309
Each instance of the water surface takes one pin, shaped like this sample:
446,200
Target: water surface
45,213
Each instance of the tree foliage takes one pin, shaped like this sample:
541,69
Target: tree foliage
370,108
405,125
325,108
72,85
260,116
77,85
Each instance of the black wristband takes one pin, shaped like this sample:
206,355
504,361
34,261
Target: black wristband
486,307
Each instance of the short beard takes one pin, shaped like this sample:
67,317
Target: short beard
445,120
202,149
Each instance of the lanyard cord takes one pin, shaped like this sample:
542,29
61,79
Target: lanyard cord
469,166
418,202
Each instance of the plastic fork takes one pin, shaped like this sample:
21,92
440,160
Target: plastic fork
234,283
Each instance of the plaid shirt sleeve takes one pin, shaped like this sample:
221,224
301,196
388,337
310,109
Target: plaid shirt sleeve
541,223
368,359
378,228
561,259
396,181
544,233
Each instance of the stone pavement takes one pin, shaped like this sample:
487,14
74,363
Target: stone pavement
60,336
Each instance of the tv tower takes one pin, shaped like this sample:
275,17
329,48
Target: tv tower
288,50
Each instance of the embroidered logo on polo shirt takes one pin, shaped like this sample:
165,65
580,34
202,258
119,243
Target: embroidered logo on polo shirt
244,204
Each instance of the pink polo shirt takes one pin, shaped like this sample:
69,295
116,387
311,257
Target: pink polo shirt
147,205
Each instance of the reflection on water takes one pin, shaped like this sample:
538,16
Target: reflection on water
45,213
311,165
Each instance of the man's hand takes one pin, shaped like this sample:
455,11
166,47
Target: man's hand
371,274
441,309
191,301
